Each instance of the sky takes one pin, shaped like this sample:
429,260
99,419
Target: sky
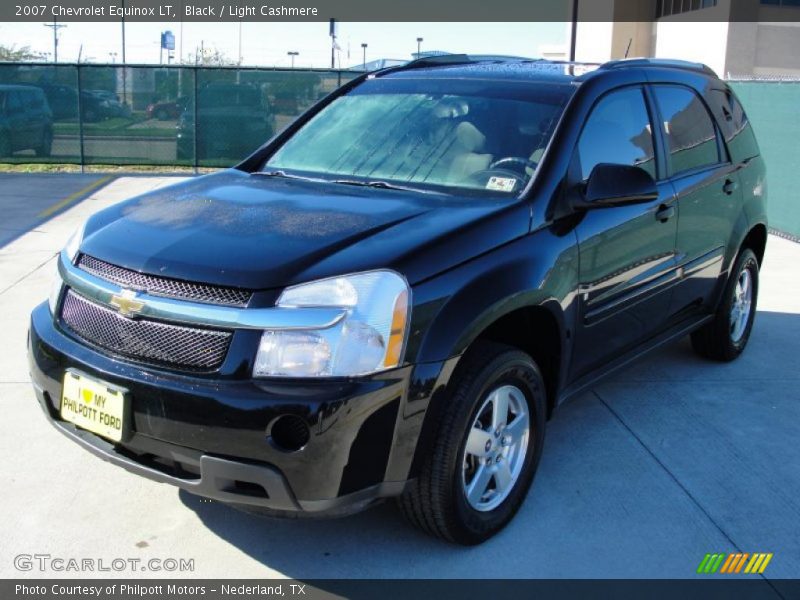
266,44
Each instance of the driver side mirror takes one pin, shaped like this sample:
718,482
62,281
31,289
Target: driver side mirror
612,185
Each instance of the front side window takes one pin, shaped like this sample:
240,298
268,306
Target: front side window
467,134
617,131
688,128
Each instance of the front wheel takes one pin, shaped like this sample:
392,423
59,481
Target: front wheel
726,336
487,447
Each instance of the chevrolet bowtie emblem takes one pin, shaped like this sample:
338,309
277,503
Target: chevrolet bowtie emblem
126,303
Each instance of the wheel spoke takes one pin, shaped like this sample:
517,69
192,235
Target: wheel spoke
517,428
477,442
499,409
480,481
502,476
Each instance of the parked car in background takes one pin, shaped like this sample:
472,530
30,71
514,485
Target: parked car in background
166,110
62,99
26,122
232,121
99,105
393,296
114,107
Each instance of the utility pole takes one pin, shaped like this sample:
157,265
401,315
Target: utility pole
55,26
364,61
333,42
419,46
292,54
240,43
574,35
124,68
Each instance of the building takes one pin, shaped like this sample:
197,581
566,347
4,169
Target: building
736,38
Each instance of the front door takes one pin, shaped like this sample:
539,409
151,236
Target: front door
627,253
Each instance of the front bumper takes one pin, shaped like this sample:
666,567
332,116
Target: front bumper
208,434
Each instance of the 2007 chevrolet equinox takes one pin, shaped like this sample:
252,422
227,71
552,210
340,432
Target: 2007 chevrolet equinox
392,296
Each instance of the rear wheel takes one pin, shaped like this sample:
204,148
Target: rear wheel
45,147
726,336
487,448
5,145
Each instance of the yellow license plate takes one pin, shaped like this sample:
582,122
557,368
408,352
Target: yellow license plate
93,405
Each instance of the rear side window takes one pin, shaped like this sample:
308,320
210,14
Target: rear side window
13,103
735,125
617,131
688,128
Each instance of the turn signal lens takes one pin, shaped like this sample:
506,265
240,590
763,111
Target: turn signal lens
397,333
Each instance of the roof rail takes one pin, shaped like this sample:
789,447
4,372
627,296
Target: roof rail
658,62
427,61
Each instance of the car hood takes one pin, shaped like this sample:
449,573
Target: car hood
236,229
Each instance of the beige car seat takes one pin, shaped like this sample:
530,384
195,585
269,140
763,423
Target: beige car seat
467,159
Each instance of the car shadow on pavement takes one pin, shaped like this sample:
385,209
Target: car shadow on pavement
653,468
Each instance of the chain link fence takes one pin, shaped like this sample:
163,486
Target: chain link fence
143,115
773,106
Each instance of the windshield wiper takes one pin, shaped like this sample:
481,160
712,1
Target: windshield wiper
385,185
376,184
285,175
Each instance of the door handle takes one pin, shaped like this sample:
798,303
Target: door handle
665,213
730,186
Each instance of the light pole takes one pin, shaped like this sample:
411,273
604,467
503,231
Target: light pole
240,43
113,56
573,38
419,46
292,54
55,26
364,62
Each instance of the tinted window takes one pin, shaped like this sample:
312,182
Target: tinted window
734,124
617,131
446,132
689,130
13,103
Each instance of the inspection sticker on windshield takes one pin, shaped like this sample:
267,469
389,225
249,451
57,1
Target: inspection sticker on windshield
501,184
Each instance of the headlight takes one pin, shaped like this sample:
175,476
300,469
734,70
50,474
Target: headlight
74,243
55,288
71,250
370,337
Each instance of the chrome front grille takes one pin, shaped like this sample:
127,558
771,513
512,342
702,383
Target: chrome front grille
164,286
142,339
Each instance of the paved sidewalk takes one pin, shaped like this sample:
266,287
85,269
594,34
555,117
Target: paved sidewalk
641,477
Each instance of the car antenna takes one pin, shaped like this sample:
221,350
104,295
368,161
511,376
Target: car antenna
628,49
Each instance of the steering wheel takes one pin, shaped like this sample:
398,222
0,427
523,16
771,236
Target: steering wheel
511,161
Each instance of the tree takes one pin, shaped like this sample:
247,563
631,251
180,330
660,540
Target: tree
211,57
14,54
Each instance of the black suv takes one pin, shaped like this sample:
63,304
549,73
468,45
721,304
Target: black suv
392,296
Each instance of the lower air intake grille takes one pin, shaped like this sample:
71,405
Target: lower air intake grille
144,340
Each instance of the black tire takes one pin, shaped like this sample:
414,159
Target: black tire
5,145
436,501
45,148
715,340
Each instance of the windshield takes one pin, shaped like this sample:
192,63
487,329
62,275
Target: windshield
443,133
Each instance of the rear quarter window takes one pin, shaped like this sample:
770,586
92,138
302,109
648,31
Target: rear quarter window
735,126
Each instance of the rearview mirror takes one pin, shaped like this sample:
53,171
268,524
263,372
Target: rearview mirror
618,185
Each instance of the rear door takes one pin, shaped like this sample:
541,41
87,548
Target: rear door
708,193
627,253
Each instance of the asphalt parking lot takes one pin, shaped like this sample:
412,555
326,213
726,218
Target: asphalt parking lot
674,458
